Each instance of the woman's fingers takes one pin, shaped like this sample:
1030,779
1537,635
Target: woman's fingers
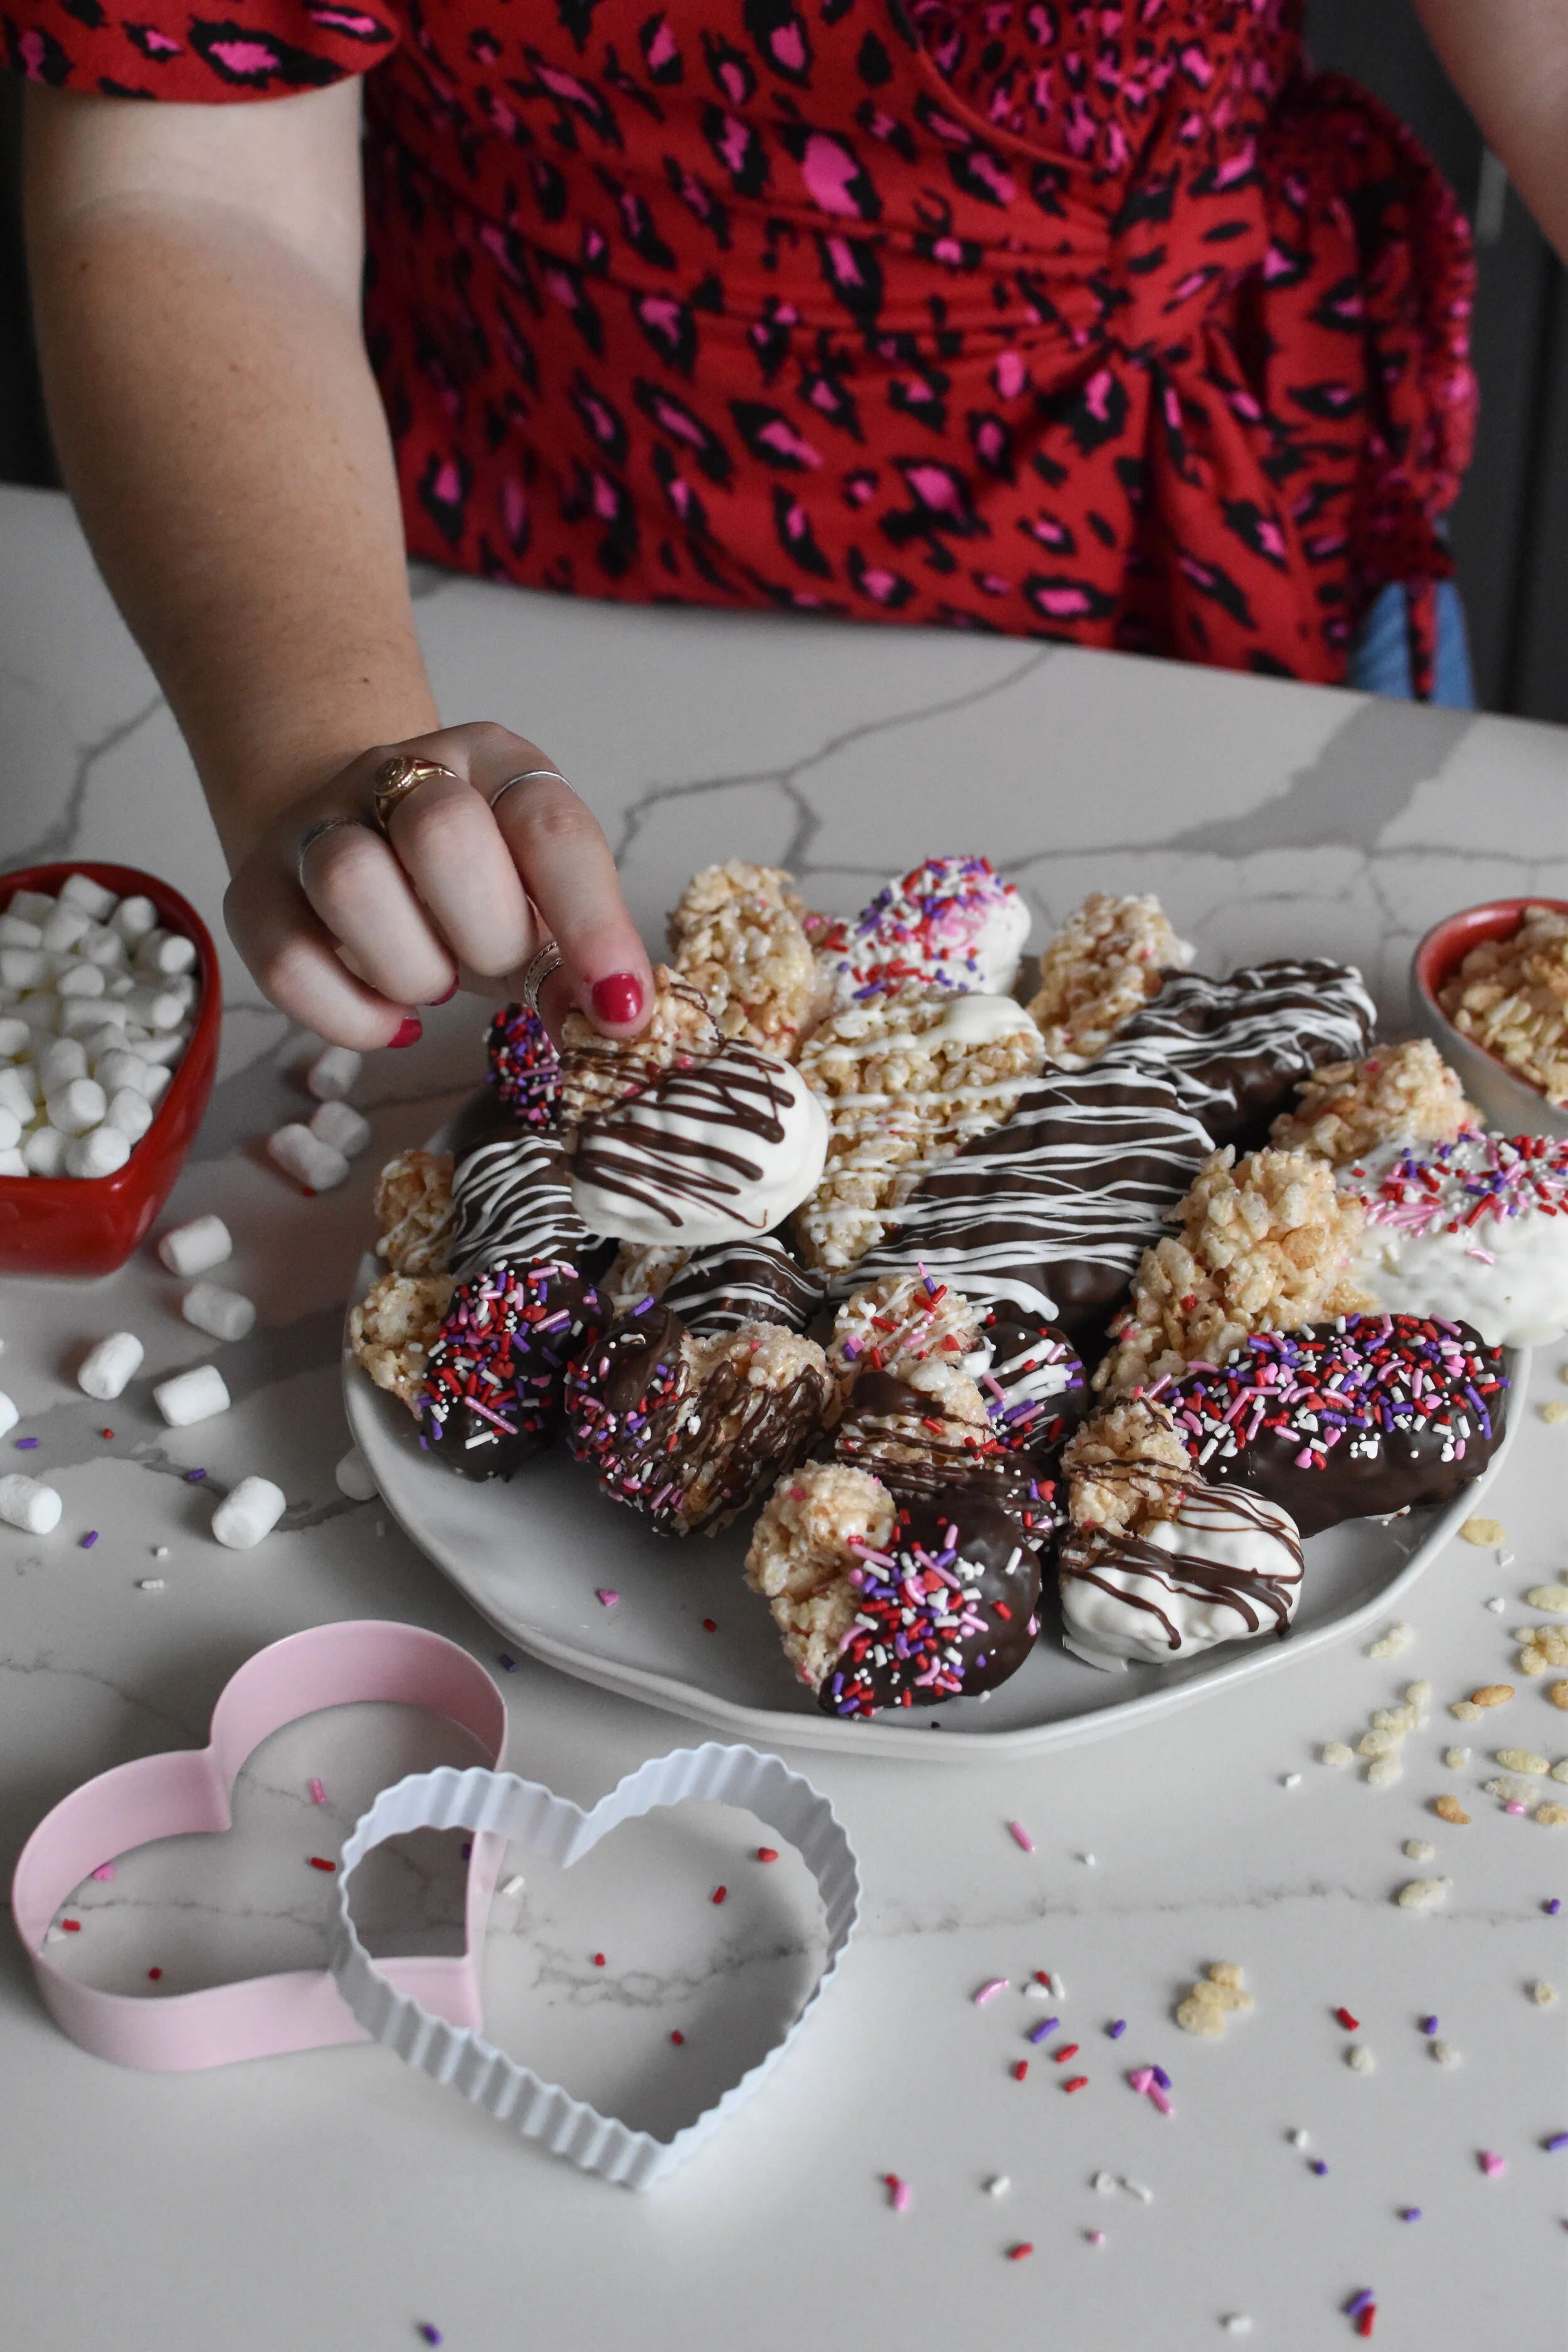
450,844
295,961
570,875
365,901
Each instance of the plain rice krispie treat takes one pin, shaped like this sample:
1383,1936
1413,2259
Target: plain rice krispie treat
414,1208
906,1083
736,934
1401,1094
801,1550
394,1327
893,1326
596,1071
1512,996
1265,1245
641,1270
1126,1469
1101,969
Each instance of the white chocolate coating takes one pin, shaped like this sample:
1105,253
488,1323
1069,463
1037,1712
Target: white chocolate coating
1427,1251
1126,1609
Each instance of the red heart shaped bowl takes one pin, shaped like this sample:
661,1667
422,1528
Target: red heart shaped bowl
88,1225
1506,1100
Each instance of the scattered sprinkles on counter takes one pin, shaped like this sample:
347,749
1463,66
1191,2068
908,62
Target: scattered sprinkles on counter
105,1870
606,1596
898,2193
989,1991
767,1853
318,1794
1492,2165
1021,2252
320,1862
1021,1836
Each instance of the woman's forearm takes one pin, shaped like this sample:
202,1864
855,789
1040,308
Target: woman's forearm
236,478
1509,61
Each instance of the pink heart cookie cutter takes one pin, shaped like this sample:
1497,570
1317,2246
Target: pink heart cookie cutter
189,1790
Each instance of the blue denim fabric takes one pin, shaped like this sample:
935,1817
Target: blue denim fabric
1380,658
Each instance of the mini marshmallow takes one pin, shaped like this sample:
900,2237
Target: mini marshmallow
192,1396
165,952
251,1511
9,1416
133,918
81,980
121,986
16,1094
23,967
65,927
95,901
61,1060
316,1165
45,1151
192,1249
27,1504
10,1130
121,1067
129,1114
355,1477
13,1164
77,1106
332,1073
225,1314
100,1153
184,987
106,1368
40,1009
86,1017
157,1085
166,1047
32,906
101,946
15,933
15,1035
339,1124
155,1008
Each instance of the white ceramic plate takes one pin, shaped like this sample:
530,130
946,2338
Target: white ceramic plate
531,1555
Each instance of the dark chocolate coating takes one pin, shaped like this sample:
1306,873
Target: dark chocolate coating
999,1576
1034,1360
1235,1049
513,1199
658,1442
752,1281
885,1420
494,1379
1414,1454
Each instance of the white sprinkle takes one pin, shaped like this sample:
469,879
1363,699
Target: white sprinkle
1419,1849
160,1551
1089,1859
149,1584
1105,2182
1504,1557
998,2185
514,1885
1446,2054
1361,2060
1136,2188
1301,2139
1289,1780
1237,2323
1034,1991
1497,1604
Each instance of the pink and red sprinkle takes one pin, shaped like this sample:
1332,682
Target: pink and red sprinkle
1352,2025
1021,1836
767,1853
318,1794
1492,2165
319,1861
719,1894
989,1991
898,2193
104,1869
1021,2252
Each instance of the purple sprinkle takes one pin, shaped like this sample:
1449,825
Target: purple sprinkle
1160,2078
1359,2303
1042,2031
25,1445
194,1477
510,1666
89,1539
1315,2164
1553,1908
467,1848
430,2334
1116,2033
1557,2143
1428,2025
1411,2213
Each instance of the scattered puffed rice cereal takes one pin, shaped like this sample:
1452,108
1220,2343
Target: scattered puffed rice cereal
1465,1710
1522,1759
1361,2060
1494,1693
1419,1694
1555,1411
1447,1809
1544,1645
1446,2054
1335,1752
1484,1531
1456,1759
1560,1772
1398,1637
1542,1993
1422,1849
1552,1598
1422,1894
1210,2000
1381,1742
1383,1772
1513,1792
1558,1695
1552,1816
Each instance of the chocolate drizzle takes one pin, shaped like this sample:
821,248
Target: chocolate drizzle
754,1280
1235,1049
513,1199
633,1152
905,1437
1098,1557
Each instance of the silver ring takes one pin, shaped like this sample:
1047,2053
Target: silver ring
528,776
313,834
542,963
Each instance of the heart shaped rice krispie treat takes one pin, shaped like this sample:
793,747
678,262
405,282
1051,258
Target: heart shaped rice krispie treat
1266,1244
596,1071
1101,969
737,935
906,1083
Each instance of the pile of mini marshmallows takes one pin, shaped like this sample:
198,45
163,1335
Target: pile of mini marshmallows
97,1005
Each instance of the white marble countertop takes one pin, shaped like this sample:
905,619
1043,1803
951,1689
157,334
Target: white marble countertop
337,2200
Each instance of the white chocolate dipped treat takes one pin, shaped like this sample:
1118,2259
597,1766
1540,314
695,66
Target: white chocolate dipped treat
724,1147
1227,1568
952,923
1475,1231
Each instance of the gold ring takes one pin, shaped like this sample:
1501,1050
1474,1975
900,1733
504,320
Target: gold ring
397,777
543,961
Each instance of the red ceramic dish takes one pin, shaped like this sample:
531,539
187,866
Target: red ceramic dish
1447,944
88,1225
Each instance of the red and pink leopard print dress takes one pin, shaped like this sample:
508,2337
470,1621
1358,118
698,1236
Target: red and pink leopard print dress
1108,323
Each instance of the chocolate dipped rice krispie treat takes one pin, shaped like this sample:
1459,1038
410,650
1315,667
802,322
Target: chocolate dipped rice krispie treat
394,1327
596,1071
737,935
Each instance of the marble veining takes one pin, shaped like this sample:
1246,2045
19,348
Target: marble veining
335,2199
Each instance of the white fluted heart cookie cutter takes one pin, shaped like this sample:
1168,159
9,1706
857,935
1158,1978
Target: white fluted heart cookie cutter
500,1803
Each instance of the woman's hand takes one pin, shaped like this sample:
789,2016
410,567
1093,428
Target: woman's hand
347,928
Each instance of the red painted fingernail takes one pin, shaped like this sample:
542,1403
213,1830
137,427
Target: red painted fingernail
409,1034
447,998
619,997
